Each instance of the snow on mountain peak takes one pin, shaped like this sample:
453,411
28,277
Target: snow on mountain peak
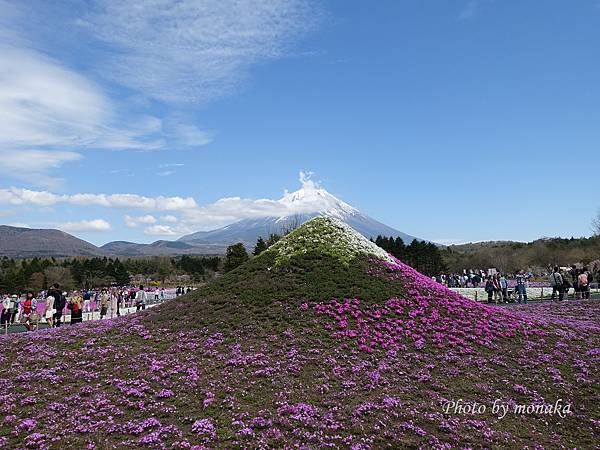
312,198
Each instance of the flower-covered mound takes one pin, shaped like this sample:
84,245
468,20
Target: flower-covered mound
314,352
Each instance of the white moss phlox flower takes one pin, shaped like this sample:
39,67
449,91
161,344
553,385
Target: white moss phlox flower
328,236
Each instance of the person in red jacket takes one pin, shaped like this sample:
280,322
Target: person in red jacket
28,306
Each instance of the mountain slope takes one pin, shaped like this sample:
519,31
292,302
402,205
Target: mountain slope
18,242
320,341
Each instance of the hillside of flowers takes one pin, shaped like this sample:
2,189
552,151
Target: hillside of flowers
316,350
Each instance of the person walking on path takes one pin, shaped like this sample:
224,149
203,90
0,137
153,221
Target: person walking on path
49,310
140,299
55,292
574,272
28,306
5,318
59,304
504,288
489,288
76,307
113,303
87,302
14,308
584,283
557,283
522,286
497,288
104,303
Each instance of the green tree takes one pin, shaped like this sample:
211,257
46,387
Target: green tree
236,256
260,247
120,273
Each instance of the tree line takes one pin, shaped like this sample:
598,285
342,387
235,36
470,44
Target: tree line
425,257
35,274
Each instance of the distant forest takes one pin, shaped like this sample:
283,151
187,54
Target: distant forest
82,273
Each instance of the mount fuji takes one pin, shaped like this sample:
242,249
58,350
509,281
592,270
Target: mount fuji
284,215
296,208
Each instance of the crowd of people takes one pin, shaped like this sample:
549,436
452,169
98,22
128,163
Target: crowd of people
578,279
502,289
51,305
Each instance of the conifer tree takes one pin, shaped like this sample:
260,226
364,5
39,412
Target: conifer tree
236,256
260,247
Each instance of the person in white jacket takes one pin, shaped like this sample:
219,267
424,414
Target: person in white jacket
141,298
49,311
5,319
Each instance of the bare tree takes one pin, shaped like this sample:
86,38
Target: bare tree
61,275
596,224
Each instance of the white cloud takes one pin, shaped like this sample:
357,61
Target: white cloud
96,225
191,135
133,222
49,112
18,196
193,50
176,51
161,230
166,173
169,218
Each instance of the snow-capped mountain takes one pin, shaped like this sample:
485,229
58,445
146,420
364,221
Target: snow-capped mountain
297,207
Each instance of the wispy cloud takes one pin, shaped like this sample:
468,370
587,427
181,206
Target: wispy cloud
48,114
193,50
170,169
176,51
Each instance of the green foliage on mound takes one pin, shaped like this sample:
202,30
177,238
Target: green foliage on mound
320,261
262,288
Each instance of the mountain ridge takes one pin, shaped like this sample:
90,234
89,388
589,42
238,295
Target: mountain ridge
20,242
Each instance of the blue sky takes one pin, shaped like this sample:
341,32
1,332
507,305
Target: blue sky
454,120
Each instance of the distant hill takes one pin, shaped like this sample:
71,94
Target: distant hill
163,248
16,242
